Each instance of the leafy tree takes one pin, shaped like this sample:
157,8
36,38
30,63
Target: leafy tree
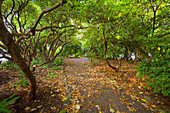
109,28
17,24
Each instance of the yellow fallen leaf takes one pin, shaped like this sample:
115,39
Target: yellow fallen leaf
27,108
144,100
33,109
39,106
131,109
53,108
154,106
140,92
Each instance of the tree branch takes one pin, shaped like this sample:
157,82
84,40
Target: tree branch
44,12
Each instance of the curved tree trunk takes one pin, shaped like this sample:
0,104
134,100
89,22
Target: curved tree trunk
14,50
114,68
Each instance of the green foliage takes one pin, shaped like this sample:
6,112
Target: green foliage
63,111
58,62
45,66
51,75
5,102
35,62
73,50
23,82
55,68
127,26
130,62
94,63
157,71
8,65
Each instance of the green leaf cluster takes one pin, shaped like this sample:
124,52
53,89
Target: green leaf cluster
5,102
157,71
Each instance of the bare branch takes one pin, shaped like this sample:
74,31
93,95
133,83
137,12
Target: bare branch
44,12
57,27
53,57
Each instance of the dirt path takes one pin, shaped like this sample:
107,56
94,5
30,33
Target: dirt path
96,93
86,88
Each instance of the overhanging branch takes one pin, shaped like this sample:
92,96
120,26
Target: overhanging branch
44,12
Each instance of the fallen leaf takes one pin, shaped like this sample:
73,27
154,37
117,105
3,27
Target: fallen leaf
117,111
97,106
63,111
144,100
39,106
33,109
64,98
53,108
112,110
27,108
140,92
154,106
145,105
77,106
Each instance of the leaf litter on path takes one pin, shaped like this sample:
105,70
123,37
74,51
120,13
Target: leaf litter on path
93,88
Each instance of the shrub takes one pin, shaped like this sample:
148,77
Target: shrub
58,62
55,68
45,66
157,71
8,65
35,62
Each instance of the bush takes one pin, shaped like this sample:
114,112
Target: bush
157,71
8,65
55,68
45,66
35,62
58,62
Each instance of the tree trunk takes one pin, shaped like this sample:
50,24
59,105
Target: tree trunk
14,50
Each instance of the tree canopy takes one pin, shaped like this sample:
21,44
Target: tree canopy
103,29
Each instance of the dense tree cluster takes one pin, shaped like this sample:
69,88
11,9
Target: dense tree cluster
33,29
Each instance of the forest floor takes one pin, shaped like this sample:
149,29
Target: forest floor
85,87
